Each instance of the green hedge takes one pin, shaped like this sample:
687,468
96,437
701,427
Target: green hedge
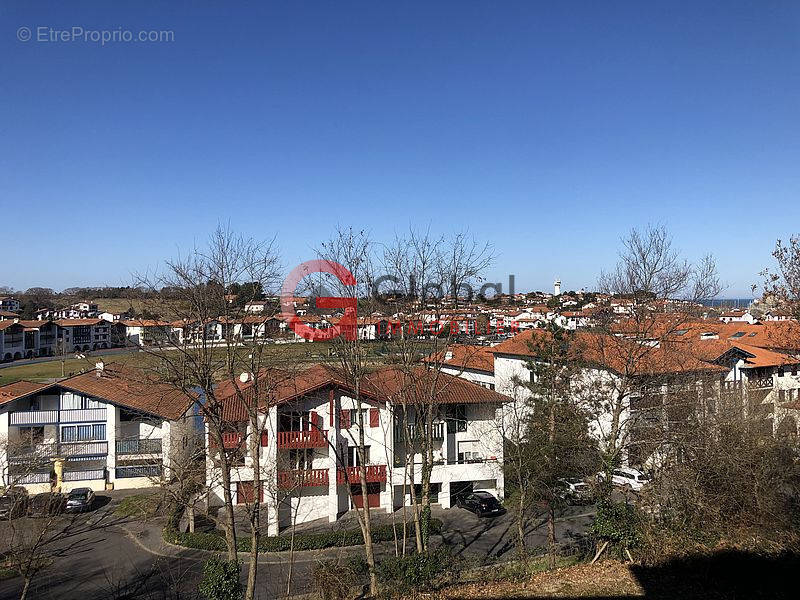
302,541
417,571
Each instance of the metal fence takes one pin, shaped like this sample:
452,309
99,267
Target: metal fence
31,478
139,446
84,475
138,471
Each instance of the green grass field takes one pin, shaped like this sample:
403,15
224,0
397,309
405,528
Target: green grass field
299,353
45,371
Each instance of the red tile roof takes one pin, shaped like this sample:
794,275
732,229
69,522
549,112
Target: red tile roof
388,384
18,389
421,385
143,323
78,322
125,387
618,354
465,356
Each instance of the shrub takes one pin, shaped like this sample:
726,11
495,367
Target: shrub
221,580
617,523
335,580
417,571
282,543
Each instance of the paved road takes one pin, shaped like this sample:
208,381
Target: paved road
110,558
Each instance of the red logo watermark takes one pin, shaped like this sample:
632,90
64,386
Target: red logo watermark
347,325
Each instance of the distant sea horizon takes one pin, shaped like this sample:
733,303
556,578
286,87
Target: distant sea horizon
730,302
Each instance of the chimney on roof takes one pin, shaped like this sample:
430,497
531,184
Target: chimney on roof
98,367
448,355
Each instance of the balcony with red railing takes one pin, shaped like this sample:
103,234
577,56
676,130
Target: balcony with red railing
314,438
229,440
302,478
375,474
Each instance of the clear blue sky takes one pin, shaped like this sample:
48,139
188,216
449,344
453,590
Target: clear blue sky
548,128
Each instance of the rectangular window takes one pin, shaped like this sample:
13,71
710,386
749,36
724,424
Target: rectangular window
352,456
293,421
354,416
68,434
70,401
457,418
84,433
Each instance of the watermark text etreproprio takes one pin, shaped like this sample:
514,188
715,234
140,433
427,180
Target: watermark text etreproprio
79,34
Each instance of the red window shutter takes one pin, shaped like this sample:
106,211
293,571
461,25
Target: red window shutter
264,438
345,419
316,420
374,417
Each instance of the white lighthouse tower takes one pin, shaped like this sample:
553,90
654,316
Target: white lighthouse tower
557,287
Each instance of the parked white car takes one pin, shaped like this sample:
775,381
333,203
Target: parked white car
627,478
574,490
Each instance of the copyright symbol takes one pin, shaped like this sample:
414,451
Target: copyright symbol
23,34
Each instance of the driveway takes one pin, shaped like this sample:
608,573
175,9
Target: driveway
107,557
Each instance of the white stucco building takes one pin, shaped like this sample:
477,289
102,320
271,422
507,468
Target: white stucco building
309,437
108,428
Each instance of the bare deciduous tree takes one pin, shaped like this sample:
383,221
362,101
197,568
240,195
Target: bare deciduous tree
212,342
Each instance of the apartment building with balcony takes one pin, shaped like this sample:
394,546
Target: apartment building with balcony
10,304
695,371
79,310
106,428
308,441
83,335
29,339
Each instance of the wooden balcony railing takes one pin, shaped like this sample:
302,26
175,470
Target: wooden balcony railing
302,478
375,474
22,454
80,415
232,440
97,448
760,383
34,417
314,438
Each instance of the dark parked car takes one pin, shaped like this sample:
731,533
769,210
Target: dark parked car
482,504
80,500
44,505
13,503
